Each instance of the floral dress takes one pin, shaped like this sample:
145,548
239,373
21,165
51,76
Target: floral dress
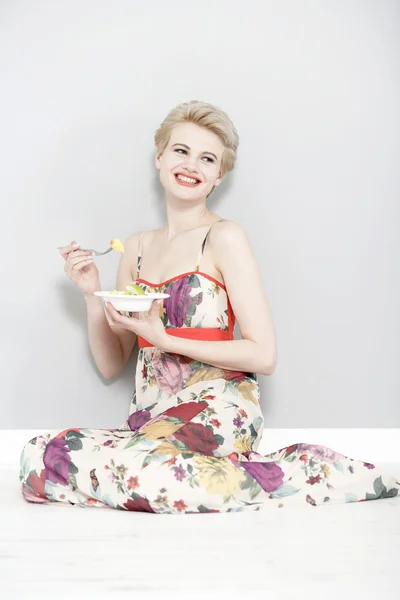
190,442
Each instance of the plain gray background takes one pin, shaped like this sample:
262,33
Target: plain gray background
313,89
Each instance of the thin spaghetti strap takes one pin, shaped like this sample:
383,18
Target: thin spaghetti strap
139,258
203,246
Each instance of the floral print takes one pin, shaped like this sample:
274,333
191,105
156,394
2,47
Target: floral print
189,444
177,305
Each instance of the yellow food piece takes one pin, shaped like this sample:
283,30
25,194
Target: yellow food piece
117,245
114,292
135,290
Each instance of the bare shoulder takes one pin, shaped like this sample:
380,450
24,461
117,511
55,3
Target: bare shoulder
129,257
230,247
132,241
131,244
225,234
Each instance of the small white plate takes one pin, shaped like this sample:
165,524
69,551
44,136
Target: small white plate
131,303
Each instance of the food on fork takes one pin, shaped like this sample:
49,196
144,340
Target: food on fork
117,245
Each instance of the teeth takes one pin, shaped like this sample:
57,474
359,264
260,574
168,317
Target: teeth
186,179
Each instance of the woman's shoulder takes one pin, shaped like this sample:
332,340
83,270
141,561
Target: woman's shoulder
134,238
226,231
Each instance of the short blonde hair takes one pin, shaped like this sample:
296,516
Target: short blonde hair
204,115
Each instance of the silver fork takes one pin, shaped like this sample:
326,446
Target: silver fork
95,252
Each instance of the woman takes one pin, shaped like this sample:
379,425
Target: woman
189,444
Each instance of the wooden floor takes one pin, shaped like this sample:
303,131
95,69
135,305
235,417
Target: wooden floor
63,551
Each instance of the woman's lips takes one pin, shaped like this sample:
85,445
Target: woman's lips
186,183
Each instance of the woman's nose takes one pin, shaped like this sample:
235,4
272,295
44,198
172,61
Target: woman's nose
189,164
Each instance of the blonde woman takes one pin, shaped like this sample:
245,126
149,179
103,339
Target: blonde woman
190,442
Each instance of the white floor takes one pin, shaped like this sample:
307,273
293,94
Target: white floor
62,551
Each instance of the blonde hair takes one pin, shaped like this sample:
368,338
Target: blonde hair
204,115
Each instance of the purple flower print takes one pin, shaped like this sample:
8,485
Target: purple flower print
57,460
369,465
321,453
170,372
137,419
180,473
267,474
177,305
238,422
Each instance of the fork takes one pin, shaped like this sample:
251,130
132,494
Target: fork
95,252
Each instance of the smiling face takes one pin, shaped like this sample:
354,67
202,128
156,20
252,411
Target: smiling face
190,165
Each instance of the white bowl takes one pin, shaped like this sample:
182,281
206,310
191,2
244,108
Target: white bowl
131,303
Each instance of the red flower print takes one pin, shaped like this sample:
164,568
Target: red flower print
171,461
234,375
312,480
197,438
304,458
290,449
216,423
62,433
233,456
144,372
138,505
186,411
243,413
209,397
133,483
37,483
180,505
90,501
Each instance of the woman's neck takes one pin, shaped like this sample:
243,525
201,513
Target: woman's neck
182,218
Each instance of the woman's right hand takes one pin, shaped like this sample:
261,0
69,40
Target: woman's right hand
80,268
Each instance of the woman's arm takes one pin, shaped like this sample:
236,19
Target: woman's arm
111,346
257,351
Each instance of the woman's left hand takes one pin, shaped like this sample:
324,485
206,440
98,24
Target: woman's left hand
151,328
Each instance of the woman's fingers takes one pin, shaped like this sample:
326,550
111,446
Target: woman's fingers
66,250
72,251
76,257
77,264
116,317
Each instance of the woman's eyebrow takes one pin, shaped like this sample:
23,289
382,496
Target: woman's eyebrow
187,148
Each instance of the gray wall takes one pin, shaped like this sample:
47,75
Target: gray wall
313,88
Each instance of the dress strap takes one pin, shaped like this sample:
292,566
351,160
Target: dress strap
139,258
203,246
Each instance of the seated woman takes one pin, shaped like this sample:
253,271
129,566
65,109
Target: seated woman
190,442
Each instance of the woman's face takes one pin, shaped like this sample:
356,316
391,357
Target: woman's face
190,164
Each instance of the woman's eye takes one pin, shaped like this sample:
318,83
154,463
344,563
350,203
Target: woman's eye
205,158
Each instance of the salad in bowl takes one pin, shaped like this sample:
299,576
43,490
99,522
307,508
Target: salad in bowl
133,299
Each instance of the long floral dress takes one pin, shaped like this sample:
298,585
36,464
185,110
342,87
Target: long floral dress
190,442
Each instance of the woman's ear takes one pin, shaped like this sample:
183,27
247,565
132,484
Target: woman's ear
157,160
218,180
